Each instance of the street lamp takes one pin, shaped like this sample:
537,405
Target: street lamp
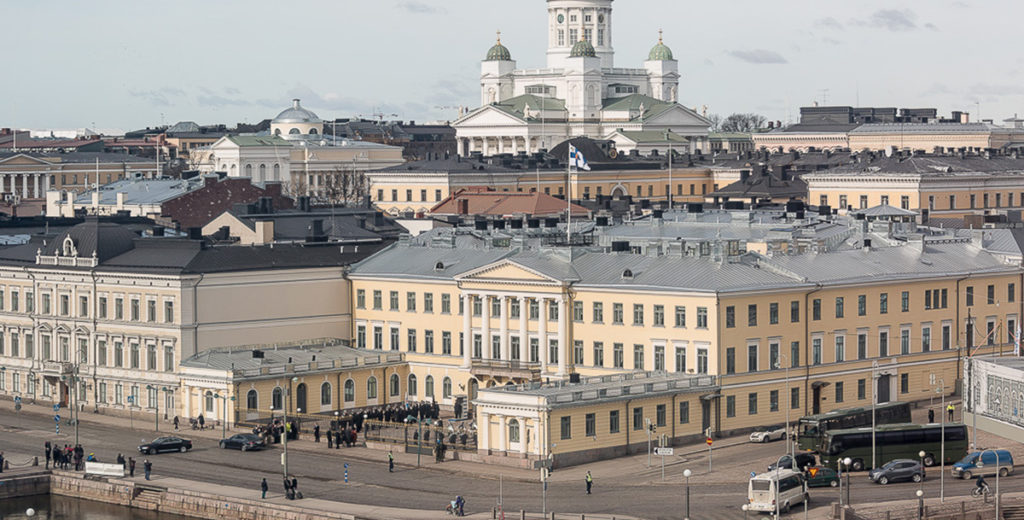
846,462
921,455
224,404
981,458
874,398
920,504
789,435
419,435
778,466
156,414
745,507
942,442
284,408
687,473
73,380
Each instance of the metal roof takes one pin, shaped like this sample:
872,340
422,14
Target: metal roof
142,191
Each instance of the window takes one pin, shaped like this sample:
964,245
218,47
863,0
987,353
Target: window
861,389
659,315
446,304
168,358
702,317
794,398
684,412
862,305
566,427
730,406
598,312
617,313
840,347
904,383
378,300
773,314
577,352
883,343
394,385
680,359
638,418
661,415
816,309
991,293
946,336
150,356
553,310
905,341
410,302
659,358
361,336
534,310
577,311
730,360
1011,293
135,309
862,345
618,355
752,403
411,339
446,388
794,312
393,301
135,355
680,316
905,301
83,306
638,357
598,354
151,310
350,391
411,384
45,304
118,354
883,303
168,311
970,296
702,361
393,339
816,351
638,314
590,423
839,307
553,350
926,339
752,358
730,317
428,341
751,315
371,388
839,391
495,307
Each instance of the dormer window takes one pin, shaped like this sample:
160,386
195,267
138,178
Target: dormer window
68,247
627,274
439,266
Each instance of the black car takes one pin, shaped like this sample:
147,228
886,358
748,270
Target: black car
243,441
165,444
803,461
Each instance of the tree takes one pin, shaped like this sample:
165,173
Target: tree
346,187
743,123
716,122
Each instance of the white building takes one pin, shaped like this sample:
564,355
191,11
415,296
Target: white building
580,92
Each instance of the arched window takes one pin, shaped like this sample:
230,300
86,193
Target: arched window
252,399
294,131
277,401
312,131
209,401
513,431
277,131
263,172
325,394
248,170
446,388
350,391
277,172
412,384
396,386
371,388
428,387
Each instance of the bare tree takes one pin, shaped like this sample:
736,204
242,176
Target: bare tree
743,123
346,187
296,187
716,122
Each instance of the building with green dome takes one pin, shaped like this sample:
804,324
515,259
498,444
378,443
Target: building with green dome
580,91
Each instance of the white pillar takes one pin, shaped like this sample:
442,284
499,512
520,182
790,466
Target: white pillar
502,431
524,336
24,185
467,330
188,400
504,327
46,182
542,333
485,431
562,337
3,182
460,149
485,327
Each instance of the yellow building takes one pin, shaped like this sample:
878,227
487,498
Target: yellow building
474,316
31,175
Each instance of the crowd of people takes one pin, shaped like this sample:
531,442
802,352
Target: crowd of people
67,456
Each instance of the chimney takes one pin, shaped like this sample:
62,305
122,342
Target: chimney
744,175
867,245
264,232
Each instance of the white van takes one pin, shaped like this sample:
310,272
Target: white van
792,490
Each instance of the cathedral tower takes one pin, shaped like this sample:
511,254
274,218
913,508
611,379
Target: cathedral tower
569,21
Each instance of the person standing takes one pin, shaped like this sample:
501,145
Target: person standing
1,462
175,423
131,466
950,409
288,489
202,422
391,462
316,433
147,466
590,482
263,488
330,439
47,451
931,415
295,487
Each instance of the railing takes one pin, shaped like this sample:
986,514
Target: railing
407,434
60,367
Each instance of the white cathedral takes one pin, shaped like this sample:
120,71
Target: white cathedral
580,93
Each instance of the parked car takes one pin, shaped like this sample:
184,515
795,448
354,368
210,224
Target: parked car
768,434
897,470
786,486
803,461
970,466
165,444
243,441
821,476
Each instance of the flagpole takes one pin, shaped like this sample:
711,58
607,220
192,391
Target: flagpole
568,197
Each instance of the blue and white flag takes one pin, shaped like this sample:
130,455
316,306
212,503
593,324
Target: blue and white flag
576,159
1016,341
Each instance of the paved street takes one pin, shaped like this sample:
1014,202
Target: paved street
624,486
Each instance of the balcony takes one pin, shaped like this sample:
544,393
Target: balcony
58,368
507,369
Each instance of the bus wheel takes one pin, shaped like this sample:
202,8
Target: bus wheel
858,465
929,460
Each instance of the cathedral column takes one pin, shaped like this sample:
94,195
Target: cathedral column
467,330
501,145
24,185
35,186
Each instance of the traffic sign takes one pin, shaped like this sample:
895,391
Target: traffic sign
131,398
709,441
813,471
664,452
56,407
17,399
56,418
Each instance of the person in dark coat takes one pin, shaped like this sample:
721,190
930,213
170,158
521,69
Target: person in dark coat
337,440
47,451
288,493
931,416
295,487
202,422
175,423
316,433
147,466
131,466
120,460
1,462
330,439
263,488
391,462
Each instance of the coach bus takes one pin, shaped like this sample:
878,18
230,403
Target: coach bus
894,441
811,428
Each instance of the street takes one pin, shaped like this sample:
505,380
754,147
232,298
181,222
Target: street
637,491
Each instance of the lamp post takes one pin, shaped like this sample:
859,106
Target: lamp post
744,507
224,404
942,441
981,464
284,408
846,462
920,504
874,398
921,455
778,466
789,435
419,435
72,380
156,413
687,473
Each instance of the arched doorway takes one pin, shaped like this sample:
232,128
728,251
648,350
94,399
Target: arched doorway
474,386
300,398
619,191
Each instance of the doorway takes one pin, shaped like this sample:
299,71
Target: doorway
705,415
884,386
300,398
816,406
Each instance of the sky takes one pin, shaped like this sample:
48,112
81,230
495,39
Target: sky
126,64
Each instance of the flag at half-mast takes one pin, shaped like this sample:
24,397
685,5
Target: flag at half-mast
577,160
1016,341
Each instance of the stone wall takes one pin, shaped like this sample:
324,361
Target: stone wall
15,486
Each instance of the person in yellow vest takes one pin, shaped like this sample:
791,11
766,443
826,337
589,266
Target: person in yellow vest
590,482
950,409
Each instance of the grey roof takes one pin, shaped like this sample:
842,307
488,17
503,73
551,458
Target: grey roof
296,114
451,165
926,128
310,355
183,127
764,186
933,165
885,210
605,388
804,128
94,238
142,191
83,157
1016,363
340,224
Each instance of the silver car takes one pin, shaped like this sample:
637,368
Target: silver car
768,434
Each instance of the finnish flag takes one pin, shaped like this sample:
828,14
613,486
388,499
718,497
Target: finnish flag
576,159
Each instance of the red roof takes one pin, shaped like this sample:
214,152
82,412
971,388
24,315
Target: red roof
501,203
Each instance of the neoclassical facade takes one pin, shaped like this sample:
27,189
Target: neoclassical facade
579,93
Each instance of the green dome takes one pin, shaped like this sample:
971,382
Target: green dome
583,48
660,52
499,53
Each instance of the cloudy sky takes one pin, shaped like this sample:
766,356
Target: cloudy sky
128,64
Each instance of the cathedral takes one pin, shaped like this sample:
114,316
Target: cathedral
579,93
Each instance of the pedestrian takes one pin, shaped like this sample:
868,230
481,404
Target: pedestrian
337,440
316,433
590,482
264,487
288,489
950,409
931,415
47,452
56,456
295,487
202,422
175,423
131,466
121,461
391,462
330,440
148,467
1,462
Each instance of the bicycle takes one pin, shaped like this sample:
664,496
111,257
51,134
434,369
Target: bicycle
979,492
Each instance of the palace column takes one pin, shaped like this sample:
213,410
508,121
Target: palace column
502,430
485,327
24,185
524,337
562,333
542,332
467,330
504,327
485,431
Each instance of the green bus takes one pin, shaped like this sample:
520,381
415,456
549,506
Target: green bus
811,428
894,441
